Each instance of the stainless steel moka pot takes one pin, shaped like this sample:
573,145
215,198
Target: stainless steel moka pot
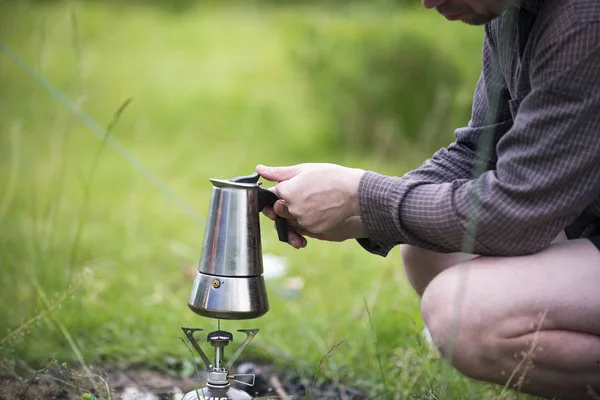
229,283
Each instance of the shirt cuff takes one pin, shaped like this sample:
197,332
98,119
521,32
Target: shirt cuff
378,200
375,248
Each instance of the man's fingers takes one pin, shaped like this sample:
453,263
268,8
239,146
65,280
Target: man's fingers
268,211
304,241
281,209
296,240
295,237
278,174
293,225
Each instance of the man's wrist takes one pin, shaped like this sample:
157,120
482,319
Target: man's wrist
355,177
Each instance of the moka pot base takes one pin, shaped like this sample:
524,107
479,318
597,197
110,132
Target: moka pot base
231,298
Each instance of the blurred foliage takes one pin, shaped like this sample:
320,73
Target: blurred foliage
381,84
217,89
373,4
179,6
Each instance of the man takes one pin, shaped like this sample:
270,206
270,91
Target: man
502,222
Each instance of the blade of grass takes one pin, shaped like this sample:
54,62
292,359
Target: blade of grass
525,361
377,353
87,184
42,294
30,322
193,356
324,358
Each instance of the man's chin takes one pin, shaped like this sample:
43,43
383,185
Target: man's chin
478,19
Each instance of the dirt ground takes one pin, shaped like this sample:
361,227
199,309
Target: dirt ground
112,382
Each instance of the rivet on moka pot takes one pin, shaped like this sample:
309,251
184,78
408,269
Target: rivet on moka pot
231,258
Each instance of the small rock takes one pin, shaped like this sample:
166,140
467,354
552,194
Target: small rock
176,393
131,393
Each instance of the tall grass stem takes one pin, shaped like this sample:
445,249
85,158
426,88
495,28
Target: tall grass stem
97,129
377,352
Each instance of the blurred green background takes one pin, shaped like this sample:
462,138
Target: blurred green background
97,262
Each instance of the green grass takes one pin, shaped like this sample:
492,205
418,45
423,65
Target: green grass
214,93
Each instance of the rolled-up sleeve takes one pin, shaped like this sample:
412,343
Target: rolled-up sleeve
548,168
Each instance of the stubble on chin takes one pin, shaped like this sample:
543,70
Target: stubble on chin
482,19
477,20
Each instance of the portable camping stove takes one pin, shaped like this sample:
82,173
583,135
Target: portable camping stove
218,382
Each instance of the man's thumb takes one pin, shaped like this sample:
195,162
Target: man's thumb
278,174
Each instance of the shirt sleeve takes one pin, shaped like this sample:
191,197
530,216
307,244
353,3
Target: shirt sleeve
548,167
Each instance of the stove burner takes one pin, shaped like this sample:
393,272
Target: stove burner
218,383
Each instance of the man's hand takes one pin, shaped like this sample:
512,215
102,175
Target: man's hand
318,200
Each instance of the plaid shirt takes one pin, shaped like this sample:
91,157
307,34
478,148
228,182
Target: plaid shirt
537,110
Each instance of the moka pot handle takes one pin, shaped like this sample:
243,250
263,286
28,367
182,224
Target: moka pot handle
266,198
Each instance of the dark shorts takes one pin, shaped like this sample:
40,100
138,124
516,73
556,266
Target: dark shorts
596,241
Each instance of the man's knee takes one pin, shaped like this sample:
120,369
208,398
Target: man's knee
459,330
